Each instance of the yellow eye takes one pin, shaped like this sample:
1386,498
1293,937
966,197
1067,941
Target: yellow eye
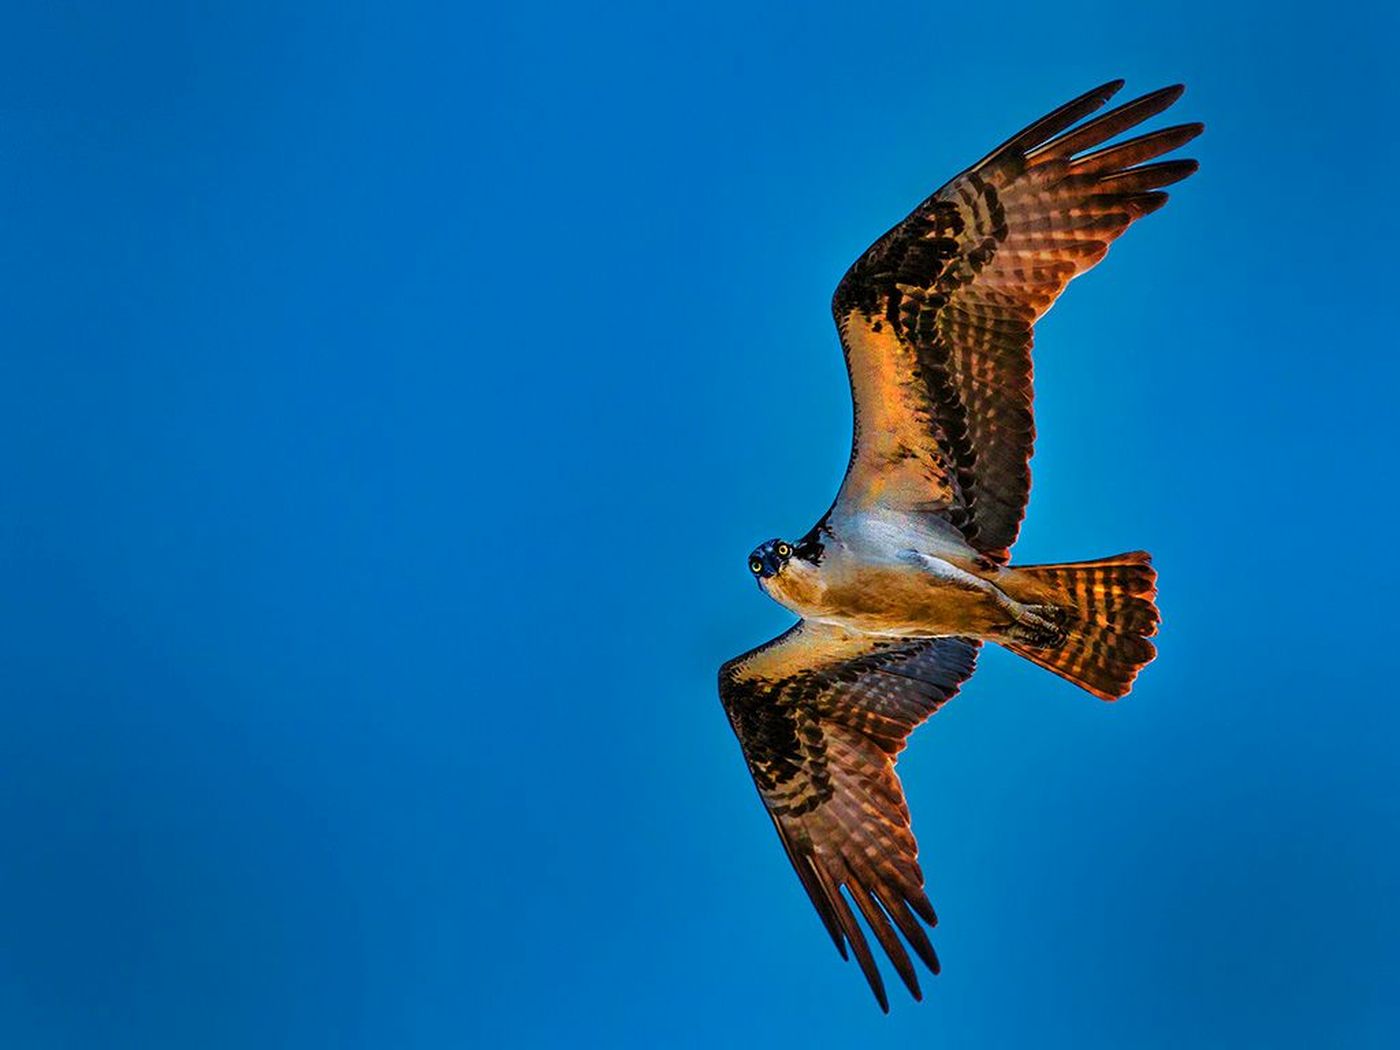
756,566
784,550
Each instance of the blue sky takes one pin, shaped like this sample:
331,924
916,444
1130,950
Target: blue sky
391,395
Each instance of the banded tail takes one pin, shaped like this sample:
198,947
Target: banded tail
1110,614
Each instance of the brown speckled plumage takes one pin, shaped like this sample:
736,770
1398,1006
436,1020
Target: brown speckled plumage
903,578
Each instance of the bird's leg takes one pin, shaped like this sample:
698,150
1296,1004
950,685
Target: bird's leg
1039,626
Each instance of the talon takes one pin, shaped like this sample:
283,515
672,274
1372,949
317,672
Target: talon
1040,626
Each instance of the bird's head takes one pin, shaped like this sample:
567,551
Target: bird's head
769,559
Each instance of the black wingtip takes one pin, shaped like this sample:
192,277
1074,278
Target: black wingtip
1102,93
873,978
1161,99
923,907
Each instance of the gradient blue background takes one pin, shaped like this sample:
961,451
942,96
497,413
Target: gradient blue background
390,395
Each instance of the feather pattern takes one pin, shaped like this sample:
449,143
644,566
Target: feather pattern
821,714
937,322
937,317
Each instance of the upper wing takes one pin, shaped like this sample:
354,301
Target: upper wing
936,317
820,714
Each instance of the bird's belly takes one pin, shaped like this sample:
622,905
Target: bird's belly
896,601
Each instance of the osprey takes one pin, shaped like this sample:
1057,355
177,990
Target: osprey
908,573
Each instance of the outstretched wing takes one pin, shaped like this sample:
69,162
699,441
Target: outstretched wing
821,714
936,317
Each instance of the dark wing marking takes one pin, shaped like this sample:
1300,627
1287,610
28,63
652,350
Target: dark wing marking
936,317
821,714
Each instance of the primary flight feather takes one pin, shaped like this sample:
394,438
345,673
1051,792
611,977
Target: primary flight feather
907,574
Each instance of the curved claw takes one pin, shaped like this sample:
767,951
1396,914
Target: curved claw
1040,626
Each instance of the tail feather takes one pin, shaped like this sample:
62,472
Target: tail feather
1109,616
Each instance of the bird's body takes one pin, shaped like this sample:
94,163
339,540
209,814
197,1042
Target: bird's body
909,571
900,575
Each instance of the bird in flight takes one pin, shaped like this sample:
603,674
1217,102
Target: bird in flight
909,572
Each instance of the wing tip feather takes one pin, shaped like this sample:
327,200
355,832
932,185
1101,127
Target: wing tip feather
1167,95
